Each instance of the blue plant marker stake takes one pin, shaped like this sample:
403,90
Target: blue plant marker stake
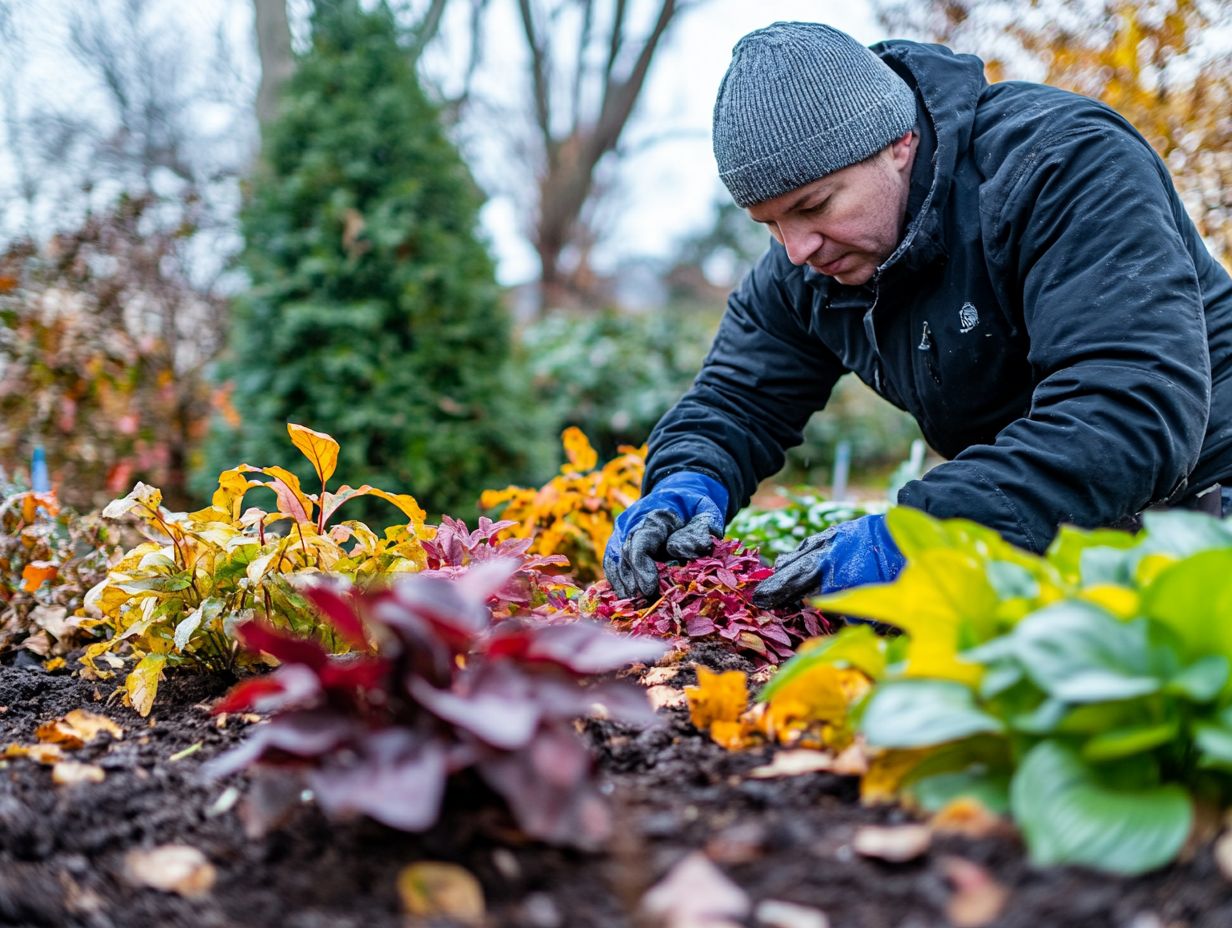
40,480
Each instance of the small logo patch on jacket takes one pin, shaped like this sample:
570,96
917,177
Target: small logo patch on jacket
968,317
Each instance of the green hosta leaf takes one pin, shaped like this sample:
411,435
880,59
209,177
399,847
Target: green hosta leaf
1067,549
1134,739
1193,597
991,788
1214,743
1182,534
856,646
1042,720
1202,680
1068,816
920,713
1078,652
1012,581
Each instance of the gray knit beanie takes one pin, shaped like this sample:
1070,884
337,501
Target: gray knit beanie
799,101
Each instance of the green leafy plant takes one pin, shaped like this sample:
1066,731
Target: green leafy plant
174,599
1088,690
778,530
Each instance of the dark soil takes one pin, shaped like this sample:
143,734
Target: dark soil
62,848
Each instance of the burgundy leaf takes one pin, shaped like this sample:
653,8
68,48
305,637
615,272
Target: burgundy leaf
499,707
395,775
301,734
339,610
258,636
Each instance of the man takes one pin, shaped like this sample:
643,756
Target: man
1009,263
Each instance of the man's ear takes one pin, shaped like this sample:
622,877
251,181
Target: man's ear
902,149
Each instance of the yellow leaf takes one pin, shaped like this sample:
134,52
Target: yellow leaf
580,455
718,697
886,772
1122,602
317,447
229,497
820,696
141,686
439,890
77,728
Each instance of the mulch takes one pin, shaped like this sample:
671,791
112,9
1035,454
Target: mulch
62,848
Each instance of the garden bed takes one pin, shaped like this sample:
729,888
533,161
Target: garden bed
63,848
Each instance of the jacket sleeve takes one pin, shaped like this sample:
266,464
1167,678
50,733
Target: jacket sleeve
764,376
1091,236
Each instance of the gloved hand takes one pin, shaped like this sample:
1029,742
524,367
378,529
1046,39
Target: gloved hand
849,554
679,519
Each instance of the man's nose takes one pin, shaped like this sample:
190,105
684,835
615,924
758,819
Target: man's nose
800,244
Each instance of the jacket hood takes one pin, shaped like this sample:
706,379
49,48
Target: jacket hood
947,87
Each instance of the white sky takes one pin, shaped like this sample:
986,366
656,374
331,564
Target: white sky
666,189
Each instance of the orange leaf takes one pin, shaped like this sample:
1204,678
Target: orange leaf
718,697
34,573
317,447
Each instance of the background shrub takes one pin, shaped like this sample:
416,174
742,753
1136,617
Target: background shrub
373,313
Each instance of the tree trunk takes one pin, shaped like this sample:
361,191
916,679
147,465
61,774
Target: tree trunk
277,61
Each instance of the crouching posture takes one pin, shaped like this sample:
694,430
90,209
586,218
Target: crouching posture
1010,263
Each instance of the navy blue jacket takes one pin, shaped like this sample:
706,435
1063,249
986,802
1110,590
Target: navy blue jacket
1051,319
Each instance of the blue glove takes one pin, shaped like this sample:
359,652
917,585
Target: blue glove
679,519
849,554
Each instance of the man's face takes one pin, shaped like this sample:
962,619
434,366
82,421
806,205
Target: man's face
846,224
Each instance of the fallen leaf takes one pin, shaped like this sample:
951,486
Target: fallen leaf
967,816
665,697
718,697
896,843
1223,854
39,753
441,890
793,764
77,728
775,914
978,898
34,574
737,844
171,868
54,620
658,675
852,761
695,894
72,772
56,663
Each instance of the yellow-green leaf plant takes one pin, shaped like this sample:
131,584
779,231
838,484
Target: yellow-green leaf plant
174,599
1087,691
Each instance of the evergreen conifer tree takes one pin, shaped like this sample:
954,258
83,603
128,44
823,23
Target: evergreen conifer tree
373,312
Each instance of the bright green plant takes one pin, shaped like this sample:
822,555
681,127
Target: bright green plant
175,599
1087,691
781,529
